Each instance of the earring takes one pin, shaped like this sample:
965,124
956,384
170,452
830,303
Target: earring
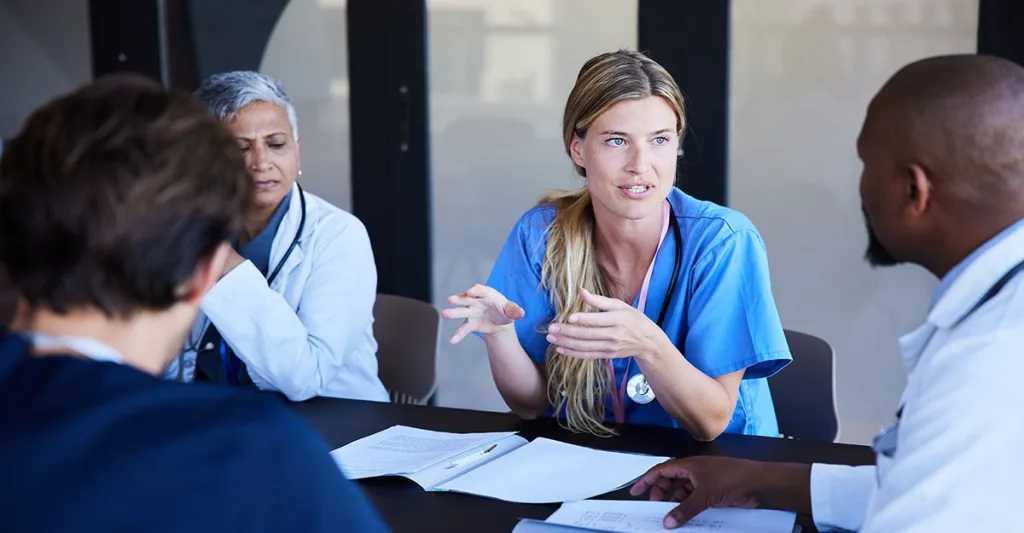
300,171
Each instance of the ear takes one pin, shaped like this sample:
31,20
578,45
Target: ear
576,151
919,189
205,276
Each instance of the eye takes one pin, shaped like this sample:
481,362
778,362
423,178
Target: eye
277,146
661,141
616,141
244,149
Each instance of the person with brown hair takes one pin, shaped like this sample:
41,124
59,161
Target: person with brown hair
117,203
627,300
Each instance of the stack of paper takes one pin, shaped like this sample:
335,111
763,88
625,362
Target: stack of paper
608,516
426,457
495,465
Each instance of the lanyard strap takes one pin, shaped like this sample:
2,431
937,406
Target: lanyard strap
619,401
86,346
230,361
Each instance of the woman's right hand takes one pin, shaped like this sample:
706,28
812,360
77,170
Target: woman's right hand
485,310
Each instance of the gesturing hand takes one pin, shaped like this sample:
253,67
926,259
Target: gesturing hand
699,483
618,330
486,311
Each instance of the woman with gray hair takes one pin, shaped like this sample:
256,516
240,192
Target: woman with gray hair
293,310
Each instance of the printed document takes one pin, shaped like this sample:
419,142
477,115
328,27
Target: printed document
549,471
503,466
608,516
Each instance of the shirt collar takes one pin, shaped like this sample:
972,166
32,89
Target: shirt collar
953,274
963,286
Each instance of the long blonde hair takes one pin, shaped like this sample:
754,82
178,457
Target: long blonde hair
581,386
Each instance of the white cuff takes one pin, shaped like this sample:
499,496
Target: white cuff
840,496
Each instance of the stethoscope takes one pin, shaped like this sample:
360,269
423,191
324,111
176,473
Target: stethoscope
230,366
885,443
637,388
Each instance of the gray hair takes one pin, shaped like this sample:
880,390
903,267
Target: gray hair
227,93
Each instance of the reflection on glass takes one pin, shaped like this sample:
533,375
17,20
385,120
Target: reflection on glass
308,52
794,120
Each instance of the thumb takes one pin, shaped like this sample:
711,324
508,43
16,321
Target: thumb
692,506
512,311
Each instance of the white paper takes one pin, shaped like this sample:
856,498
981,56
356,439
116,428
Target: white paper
609,516
547,471
401,450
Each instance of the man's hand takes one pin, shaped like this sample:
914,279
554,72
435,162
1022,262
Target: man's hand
699,483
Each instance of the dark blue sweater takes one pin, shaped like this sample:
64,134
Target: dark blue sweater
89,446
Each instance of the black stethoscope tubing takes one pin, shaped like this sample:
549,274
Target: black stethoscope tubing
194,346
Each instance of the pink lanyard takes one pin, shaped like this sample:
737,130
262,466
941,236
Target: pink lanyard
619,401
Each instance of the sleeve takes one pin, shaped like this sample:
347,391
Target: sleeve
840,495
732,320
304,488
517,275
299,352
958,462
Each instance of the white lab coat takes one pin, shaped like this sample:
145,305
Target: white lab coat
959,459
311,332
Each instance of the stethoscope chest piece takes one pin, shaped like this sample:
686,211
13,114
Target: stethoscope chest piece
638,390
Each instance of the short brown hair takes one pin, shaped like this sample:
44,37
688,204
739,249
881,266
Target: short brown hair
111,195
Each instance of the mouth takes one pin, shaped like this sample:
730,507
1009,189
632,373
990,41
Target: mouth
263,185
637,191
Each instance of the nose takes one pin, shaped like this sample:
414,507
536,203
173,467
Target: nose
639,159
259,158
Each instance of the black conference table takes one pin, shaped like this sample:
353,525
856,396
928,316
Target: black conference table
408,508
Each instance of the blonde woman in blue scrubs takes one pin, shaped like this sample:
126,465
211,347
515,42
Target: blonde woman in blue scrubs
702,334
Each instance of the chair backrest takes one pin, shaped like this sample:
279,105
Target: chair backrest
407,333
804,391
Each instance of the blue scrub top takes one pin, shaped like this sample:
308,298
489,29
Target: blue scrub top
722,316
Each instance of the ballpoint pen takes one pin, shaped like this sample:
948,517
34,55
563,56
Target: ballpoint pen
481,454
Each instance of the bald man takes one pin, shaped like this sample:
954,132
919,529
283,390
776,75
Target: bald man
942,187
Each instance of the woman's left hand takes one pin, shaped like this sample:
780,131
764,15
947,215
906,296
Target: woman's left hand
618,330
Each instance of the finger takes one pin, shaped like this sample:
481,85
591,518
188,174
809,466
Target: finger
686,510
479,291
596,320
670,470
461,333
660,489
575,331
646,482
565,344
461,312
513,311
680,493
462,299
600,302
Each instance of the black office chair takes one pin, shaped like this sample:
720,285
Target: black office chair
804,391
